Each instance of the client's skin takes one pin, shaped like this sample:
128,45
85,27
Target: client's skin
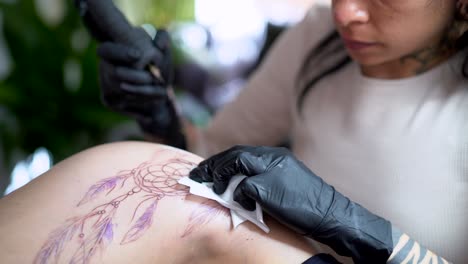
120,203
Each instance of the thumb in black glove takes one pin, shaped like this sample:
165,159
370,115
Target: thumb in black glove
288,191
138,92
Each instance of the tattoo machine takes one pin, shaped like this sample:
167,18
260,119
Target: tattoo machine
106,22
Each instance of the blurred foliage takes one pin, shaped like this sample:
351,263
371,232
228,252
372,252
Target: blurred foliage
44,111
159,13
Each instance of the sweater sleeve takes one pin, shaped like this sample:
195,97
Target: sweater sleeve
262,113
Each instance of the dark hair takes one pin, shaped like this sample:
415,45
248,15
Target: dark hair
329,56
326,58
461,44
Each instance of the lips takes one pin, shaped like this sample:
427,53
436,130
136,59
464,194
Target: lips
357,45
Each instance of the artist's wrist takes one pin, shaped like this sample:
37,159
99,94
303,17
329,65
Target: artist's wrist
351,230
172,135
404,247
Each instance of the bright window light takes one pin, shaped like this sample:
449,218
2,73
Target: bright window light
230,19
25,171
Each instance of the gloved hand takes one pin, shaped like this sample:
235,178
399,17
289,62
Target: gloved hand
90,22
288,191
137,92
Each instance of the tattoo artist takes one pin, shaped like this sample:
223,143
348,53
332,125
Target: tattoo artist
373,96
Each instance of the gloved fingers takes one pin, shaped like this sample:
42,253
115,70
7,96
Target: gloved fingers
200,174
163,58
146,90
204,171
116,53
127,80
107,78
223,173
133,76
257,188
243,194
162,41
221,167
241,161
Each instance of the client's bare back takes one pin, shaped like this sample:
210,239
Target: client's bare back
121,203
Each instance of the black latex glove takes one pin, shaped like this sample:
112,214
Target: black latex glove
90,22
288,191
136,92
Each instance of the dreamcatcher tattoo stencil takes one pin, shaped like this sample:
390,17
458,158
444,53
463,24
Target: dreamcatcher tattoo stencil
150,182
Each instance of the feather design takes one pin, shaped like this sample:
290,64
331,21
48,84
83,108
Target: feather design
100,237
104,185
85,235
141,225
57,241
206,212
108,234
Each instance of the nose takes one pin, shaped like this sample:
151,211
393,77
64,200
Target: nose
347,12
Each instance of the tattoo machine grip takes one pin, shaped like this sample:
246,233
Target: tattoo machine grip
107,23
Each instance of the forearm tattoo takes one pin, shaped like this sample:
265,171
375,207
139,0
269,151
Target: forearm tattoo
406,250
148,184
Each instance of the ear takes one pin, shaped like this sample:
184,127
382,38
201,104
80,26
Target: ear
462,10
459,25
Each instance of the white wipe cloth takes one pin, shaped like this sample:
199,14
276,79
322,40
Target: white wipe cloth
238,213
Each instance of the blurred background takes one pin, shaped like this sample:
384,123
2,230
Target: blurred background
50,106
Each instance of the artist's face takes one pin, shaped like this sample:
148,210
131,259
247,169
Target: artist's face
383,35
